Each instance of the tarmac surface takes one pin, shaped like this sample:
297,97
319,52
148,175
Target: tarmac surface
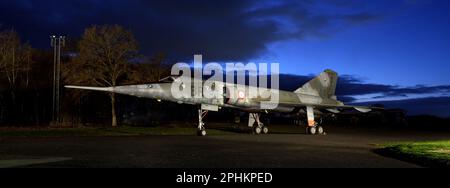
342,147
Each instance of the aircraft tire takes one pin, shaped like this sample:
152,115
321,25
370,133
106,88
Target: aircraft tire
265,130
320,130
258,130
312,130
201,132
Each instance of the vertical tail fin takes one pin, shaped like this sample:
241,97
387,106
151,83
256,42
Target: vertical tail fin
323,85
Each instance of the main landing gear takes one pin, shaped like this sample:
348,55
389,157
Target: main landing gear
315,130
260,128
201,131
313,127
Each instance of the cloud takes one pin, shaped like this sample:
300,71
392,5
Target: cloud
438,106
349,87
417,100
361,18
347,99
221,30
352,86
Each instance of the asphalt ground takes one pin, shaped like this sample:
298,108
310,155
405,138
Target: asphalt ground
346,147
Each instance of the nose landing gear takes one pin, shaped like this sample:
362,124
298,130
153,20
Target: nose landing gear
201,131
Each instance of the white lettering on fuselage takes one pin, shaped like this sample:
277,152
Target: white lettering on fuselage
213,88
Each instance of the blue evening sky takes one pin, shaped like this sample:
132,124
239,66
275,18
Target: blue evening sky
408,45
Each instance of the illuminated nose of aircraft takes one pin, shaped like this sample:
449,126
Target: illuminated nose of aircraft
151,91
147,90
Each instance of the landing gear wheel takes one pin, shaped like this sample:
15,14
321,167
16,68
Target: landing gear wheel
320,130
312,130
258,130
201,132
265,130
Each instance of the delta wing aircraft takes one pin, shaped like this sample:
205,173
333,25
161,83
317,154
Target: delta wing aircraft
317,94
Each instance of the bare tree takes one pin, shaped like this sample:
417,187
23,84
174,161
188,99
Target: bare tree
148,69
26,60
158,62
105,53
15,66
10,43
15,58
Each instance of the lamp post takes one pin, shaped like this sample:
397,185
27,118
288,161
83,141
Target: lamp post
56,42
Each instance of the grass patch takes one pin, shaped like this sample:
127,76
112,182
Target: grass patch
429,154
90,131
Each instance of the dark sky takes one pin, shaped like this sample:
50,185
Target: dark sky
386,49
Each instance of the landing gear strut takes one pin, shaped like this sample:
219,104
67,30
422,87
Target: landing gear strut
260,128
201,131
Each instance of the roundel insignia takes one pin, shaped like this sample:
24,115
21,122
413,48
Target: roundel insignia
241,95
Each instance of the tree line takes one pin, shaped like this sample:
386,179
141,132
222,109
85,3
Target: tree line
105,56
